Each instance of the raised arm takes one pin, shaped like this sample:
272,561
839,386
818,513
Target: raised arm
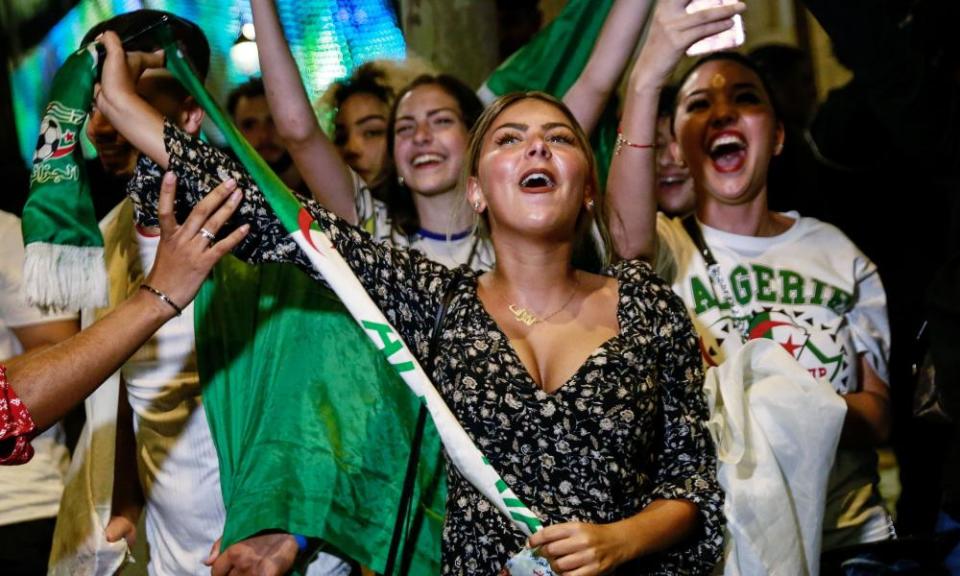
318,161
632,204
116,97
616,43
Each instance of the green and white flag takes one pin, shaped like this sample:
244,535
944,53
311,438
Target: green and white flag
312,425
64,266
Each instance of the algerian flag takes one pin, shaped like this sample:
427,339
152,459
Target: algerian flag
553,60
312,425
64,266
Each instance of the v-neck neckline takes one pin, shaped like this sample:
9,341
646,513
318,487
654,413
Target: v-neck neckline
534,387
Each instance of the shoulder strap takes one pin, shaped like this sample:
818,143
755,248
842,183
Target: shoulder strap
690,225
401,525
448,293
720,286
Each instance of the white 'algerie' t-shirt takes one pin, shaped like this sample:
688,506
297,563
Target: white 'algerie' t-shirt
813,291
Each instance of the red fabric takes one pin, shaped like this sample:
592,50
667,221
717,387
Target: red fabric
16,425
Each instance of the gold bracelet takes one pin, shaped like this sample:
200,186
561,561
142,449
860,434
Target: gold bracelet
622,141
162,296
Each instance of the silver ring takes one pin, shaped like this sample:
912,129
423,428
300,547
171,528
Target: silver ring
208,235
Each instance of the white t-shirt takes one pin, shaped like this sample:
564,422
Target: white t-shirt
451,252
31,491
177,460
813,291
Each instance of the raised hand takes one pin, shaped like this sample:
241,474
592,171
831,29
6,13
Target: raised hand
673,31
121,70
188,251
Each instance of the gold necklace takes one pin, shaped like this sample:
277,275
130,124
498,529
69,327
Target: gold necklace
529,318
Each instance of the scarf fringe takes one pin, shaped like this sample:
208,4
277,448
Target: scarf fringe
60,277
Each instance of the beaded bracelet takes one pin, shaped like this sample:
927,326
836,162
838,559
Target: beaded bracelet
162,296
622,141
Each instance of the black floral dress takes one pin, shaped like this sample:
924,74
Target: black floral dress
627,428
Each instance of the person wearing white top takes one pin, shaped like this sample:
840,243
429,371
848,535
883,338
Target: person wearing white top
795,280
30,493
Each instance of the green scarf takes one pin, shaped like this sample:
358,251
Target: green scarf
64,266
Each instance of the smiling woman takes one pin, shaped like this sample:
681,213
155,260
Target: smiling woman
522,119
746,272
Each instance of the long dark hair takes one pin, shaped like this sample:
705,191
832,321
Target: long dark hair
397,197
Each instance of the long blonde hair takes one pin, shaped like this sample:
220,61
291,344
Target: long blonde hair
582,237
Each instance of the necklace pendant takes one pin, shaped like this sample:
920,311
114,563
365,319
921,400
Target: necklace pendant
523,315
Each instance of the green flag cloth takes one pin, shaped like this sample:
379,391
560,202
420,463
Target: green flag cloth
312,425
64,266
552,61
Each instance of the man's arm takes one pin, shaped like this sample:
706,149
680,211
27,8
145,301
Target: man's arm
34,337
128,497
50,382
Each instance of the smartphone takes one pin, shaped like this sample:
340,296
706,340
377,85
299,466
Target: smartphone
726,40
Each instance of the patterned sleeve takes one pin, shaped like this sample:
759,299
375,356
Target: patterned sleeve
686,465
16,426
404,284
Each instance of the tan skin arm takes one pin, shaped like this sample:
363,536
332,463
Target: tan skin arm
54,380
116,98
867,423
34,337
315,156
128,497
579,549
630,185
618,38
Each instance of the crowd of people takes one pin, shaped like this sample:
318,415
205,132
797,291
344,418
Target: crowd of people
581,378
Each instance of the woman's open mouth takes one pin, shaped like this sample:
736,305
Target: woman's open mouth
728,151
428,160
538,181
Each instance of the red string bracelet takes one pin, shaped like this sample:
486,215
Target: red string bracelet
622,141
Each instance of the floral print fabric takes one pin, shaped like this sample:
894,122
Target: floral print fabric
16,425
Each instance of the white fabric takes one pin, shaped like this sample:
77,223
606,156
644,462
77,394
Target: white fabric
814,292
32,490
373,218
774,460
177,460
